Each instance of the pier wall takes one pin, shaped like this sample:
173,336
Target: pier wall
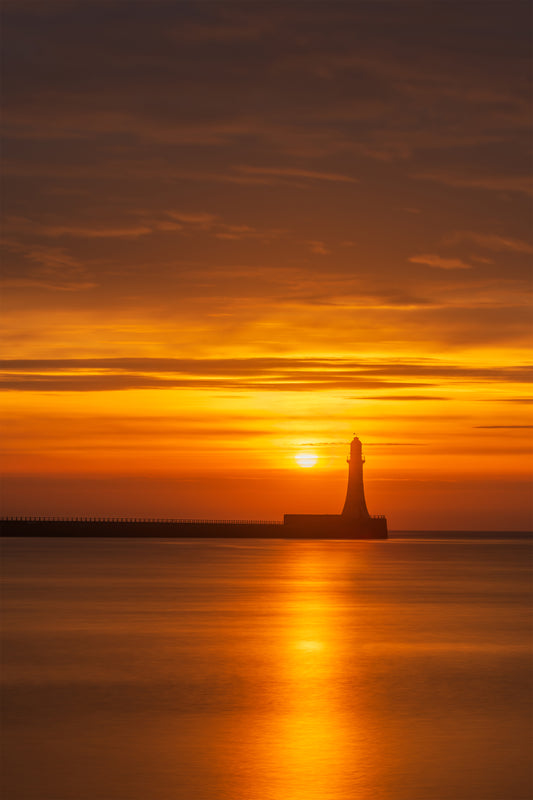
300,526
337,525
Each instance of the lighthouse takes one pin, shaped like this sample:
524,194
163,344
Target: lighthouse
355,505
354,523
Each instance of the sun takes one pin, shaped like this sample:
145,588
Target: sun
306,460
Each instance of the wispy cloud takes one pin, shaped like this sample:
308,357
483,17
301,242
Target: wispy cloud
169,221
491,241
295,172
524,400
318,248
273,374
409,398
201,219
433,260
24,225
504,427
494,183
51,268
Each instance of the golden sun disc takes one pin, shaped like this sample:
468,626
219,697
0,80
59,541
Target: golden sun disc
306,460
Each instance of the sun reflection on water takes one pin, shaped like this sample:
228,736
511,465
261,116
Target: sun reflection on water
312,746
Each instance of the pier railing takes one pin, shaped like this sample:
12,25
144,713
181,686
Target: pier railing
145,519
169,520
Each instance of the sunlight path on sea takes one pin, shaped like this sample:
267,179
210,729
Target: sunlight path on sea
255,670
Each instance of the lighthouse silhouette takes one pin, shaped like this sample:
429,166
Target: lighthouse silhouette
354,523
355,505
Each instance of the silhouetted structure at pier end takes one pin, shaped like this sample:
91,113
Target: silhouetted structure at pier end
354,523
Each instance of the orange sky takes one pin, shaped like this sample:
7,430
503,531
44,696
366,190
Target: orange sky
239,232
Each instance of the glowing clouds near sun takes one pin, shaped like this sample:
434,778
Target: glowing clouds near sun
306,460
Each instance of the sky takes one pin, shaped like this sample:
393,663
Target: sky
238,233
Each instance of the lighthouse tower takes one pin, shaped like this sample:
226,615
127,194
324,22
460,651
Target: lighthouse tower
354,523
355,505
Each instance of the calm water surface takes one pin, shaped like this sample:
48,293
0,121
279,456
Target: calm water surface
267,670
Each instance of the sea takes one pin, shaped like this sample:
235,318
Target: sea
183,669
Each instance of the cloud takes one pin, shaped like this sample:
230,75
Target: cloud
491,242
240,232
293,172
170,221
494,183
394,444
250,136
24,225
324,444
482,260
318,248
270,74
439,263
223,30
54,231
202,219
525,400
50,282
52,268
404,397
504,427
272,374
111,383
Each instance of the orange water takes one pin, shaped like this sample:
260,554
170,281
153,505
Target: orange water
231,670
